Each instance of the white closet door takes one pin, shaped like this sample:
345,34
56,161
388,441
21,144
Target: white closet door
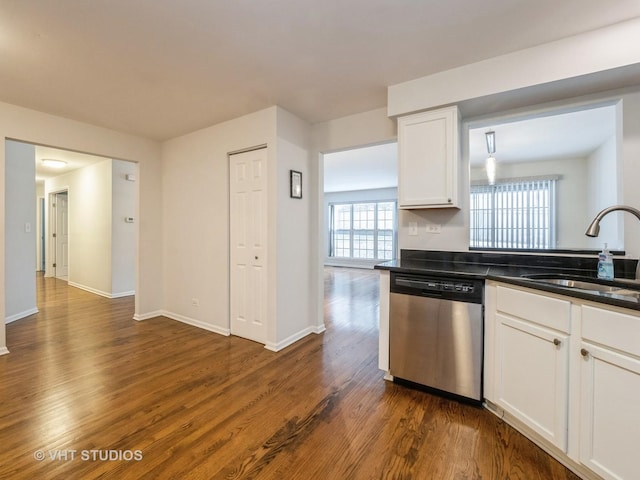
248,233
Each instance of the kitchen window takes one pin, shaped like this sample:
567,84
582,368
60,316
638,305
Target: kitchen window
517,214
364,230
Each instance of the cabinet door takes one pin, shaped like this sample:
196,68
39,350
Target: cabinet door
610,413
532,377
428,156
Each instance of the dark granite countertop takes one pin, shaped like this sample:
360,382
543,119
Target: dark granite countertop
510,268
609,298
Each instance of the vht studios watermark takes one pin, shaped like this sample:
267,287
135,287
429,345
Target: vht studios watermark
68,455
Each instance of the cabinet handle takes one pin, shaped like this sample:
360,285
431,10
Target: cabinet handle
556,342
448,200
584,352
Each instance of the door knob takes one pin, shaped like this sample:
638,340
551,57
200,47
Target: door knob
556,342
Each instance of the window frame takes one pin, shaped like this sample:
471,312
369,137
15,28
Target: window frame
353,231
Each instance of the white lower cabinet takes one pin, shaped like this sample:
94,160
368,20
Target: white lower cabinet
566,372
533,362
610,395
534,373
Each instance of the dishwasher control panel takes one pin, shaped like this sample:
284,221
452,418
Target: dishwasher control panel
466,290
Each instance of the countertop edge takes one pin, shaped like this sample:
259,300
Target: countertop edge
491,272
596,297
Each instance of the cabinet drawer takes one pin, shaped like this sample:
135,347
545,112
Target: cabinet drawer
549,312
614,329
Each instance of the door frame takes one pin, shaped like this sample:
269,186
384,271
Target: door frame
51,222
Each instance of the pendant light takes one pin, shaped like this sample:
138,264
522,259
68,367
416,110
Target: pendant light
490,162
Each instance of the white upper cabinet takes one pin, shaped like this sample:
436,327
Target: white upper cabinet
429,151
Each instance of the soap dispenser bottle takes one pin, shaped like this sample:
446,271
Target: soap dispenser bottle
605,264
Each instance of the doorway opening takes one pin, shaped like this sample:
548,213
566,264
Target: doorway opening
59,234
360,194
94,222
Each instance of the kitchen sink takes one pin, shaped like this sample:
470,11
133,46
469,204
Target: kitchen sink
625,292
579,284
606,287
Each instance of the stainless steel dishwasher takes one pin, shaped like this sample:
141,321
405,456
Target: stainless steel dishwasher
436,333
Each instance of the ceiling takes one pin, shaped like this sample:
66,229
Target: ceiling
361,168
73,161
550,137
162,68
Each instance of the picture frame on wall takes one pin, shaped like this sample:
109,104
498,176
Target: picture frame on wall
295,178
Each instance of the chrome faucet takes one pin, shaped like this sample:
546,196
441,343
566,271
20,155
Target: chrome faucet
594,227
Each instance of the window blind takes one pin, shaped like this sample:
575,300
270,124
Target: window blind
516,214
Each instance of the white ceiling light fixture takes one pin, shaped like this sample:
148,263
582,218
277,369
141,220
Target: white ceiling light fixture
52,163
490,162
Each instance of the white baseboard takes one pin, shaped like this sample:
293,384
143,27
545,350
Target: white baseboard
319,328
276,347
18,316
196,323
89,289
123,294
100,292
146,316
225,331
4,350
366,264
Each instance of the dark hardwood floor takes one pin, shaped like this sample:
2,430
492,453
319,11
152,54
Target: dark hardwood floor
99,395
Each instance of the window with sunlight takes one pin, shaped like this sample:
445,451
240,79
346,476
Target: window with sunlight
362,230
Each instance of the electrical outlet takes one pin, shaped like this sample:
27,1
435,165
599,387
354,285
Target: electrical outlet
413,228
195,302
434,228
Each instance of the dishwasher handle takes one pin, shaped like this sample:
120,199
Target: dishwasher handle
417,284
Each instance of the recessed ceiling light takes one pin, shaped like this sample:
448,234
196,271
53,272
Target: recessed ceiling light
49,162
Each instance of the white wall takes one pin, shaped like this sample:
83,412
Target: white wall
102,246
20,244
363,129
295,317
603,171
575,57
90,228
44,129
123,234
196,212
195,207
629,146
